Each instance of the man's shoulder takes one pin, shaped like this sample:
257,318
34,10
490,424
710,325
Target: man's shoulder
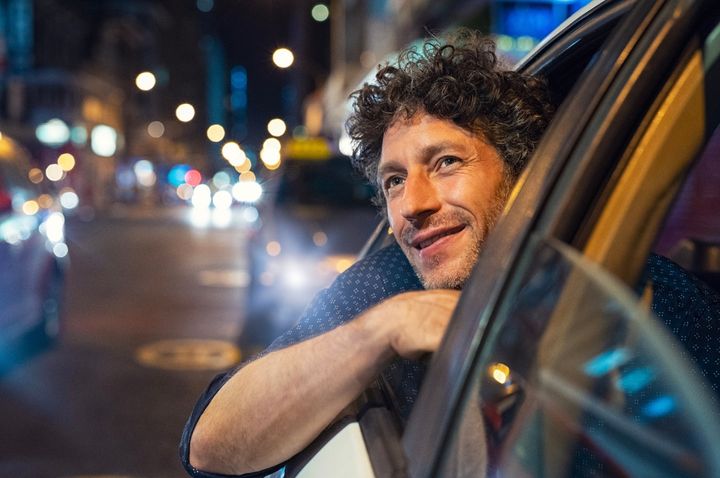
387,267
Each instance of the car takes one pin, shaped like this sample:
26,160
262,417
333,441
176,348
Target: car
552,364
313,220
32,254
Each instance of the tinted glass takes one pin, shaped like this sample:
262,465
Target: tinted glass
578,380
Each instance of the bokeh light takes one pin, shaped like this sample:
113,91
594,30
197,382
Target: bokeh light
222,199
103,140
270,158
69,199
283,58
35,175
320,12
54,172
202,197
145,173
184,192
66,161
60,250
247,191
30,207
156,129
45,201
272,143
215,133
145,81
185,112
193,177
205,5
221,180
273,248
276,127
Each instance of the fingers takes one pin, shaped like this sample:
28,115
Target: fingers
421,319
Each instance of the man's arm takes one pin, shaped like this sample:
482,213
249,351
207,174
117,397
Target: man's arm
275,406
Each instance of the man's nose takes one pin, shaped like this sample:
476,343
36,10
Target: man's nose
420,198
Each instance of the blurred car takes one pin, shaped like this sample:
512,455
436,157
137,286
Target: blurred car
552,364
32,251
314,220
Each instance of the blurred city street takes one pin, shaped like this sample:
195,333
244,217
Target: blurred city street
110,399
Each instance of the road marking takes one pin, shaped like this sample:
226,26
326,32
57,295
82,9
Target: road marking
189,354
224,278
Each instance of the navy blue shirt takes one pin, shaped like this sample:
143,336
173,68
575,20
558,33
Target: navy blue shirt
690,309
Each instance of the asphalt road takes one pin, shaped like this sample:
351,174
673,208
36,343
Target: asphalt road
153,307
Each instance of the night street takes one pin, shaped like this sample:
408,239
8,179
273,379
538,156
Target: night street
111,398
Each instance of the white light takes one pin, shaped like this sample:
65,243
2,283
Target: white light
345,145
60,250
145,173
145,81
69,199
215,133
276,127
233,153
222,200
270,157
247,191
320,12
53,133
103,140
294,276
250,214
283,58
55,227
202,197
185,112
272,143
221,218
54,172
156,129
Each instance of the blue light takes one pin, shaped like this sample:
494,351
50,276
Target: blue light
607,361
659,407
176,175
635,380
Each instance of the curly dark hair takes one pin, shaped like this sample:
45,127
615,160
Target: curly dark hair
457,78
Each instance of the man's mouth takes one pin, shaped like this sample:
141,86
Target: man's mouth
426,239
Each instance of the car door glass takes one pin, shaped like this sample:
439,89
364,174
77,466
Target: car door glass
577,379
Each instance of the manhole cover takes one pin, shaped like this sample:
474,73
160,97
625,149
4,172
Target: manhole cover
224,278
189,354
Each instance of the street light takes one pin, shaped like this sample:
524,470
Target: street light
283,58
185,112
215,133
276,127
145,81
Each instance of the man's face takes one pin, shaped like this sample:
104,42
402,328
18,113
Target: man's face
445,188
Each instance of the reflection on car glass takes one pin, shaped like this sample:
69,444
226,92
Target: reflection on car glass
577,381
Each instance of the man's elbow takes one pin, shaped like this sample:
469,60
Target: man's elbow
209,454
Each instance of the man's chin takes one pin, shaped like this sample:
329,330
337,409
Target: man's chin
443,279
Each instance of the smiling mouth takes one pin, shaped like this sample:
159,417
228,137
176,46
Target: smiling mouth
431,240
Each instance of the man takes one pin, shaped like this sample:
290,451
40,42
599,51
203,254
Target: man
443,135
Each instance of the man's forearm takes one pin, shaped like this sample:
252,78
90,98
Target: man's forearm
275,406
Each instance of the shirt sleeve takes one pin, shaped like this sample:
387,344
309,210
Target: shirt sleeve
368,282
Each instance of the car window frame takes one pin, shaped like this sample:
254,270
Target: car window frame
567,146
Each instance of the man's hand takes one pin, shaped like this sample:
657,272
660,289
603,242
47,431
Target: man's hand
415,321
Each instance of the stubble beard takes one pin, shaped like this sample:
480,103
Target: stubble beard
457,277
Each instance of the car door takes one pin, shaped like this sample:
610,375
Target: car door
598,189
572,200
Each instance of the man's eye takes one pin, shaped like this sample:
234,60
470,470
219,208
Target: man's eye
393,181
448,160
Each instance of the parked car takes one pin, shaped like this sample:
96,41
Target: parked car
552,364
314,220
32,254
